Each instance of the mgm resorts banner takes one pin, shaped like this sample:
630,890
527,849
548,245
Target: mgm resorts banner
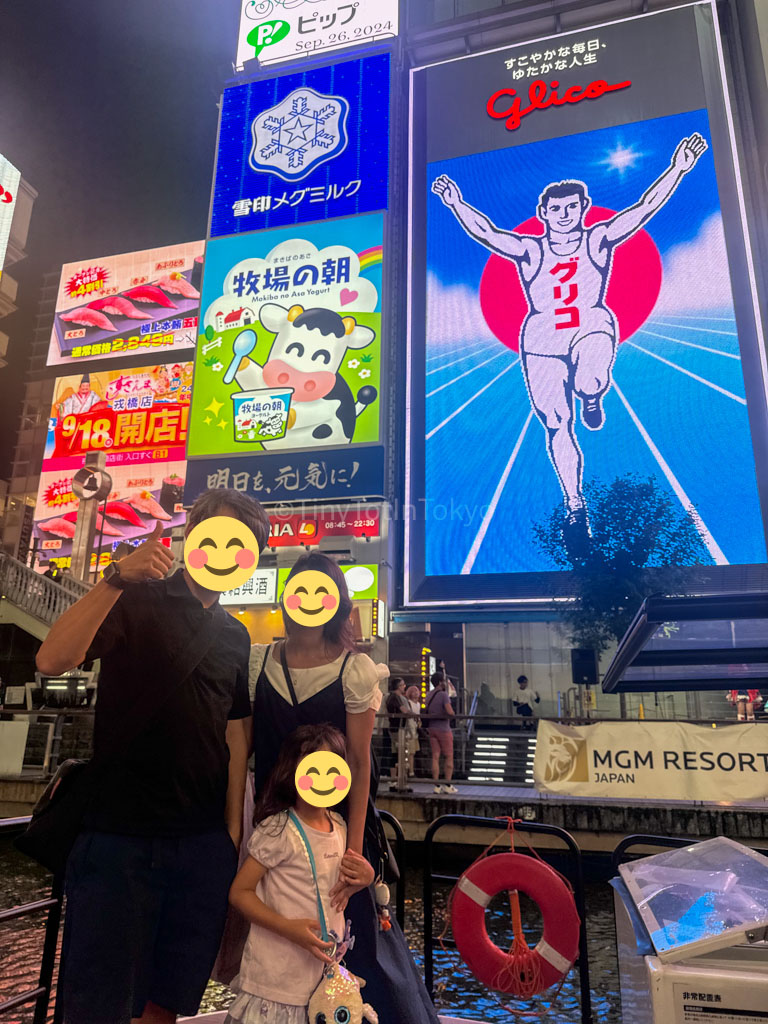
658,760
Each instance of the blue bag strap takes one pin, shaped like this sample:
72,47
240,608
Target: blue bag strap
320,915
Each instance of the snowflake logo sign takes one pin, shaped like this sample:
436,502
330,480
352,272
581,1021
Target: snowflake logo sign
299,133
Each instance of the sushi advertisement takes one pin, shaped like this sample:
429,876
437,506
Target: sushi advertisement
138,303
289,354
139,419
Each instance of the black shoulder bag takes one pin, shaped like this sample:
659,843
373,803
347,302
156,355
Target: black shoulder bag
58,815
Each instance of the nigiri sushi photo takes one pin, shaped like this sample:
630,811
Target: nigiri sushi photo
149,293
117,305
59,528
144,502
87,318
177,284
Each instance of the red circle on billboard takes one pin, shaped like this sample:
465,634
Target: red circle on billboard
633,286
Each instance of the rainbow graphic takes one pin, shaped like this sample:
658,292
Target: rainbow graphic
370,257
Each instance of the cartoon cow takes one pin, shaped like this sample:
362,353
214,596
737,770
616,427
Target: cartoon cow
306,353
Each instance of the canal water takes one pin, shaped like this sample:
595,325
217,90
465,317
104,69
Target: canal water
21,948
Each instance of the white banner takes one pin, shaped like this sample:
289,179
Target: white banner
259,589
653,760
9,188
278,30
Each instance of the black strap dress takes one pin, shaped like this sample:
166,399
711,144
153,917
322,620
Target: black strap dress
394,987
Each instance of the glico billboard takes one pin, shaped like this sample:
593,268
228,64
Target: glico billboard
138,303
572,302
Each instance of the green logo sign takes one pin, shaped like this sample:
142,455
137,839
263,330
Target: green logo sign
267,33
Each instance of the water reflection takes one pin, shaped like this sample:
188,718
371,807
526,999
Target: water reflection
21,944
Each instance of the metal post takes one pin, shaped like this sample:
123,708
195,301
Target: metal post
101,540
48,961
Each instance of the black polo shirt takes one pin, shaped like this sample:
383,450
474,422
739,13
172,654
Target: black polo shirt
173,781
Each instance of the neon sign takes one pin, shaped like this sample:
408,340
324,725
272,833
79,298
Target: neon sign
541,96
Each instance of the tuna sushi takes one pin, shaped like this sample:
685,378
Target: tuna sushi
102,526
122,510
172,492
88,318
144,502
58,527
108,530
148,293
118,306
177,284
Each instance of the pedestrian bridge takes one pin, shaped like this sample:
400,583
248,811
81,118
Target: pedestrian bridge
32,602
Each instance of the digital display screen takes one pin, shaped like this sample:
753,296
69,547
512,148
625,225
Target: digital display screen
137,303
572,307
303,147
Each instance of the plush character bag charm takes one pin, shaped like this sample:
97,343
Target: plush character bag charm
337,999
381,894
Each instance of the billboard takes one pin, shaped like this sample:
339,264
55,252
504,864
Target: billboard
572,311
278,31
289,358
303,147
139,303
259,589
362,581
138,417
10,179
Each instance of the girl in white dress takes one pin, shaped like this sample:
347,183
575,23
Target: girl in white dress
278,891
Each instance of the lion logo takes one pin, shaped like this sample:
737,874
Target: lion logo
567,760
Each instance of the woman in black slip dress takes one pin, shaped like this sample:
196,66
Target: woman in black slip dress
317,675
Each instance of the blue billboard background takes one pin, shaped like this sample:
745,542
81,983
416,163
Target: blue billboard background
303,147
677,408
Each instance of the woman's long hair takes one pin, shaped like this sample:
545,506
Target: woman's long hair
279,792
339,629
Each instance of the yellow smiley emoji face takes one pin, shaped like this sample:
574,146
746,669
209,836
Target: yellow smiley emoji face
221,553
323,778
311,598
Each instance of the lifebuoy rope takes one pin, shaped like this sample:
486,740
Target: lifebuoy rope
521,972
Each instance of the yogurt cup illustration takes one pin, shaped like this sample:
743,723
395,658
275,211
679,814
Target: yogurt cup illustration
261,415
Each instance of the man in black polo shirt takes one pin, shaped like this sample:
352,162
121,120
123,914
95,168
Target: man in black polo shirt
148,878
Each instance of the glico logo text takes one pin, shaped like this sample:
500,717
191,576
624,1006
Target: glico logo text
541,96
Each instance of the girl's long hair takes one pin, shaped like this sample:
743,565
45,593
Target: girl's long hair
339,629
279,792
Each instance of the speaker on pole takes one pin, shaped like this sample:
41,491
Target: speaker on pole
584,666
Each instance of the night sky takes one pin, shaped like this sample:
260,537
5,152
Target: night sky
109,109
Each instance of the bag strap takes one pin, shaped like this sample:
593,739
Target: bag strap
197,648
321,916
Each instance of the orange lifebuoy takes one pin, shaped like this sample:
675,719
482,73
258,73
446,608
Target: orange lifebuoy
559,944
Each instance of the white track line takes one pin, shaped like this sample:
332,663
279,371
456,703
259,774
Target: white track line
707,538
689,344
469,561
467,355
681,316
695,376
704,330
477,394
465,374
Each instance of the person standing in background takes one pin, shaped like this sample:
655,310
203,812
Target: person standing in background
524,697
396,705
439,712
412,695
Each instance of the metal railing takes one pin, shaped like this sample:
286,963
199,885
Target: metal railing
575,876
41,994
42,598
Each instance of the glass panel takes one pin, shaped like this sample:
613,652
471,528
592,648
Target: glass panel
719,633
694,894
